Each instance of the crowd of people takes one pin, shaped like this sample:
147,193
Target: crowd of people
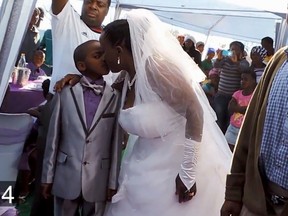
183,118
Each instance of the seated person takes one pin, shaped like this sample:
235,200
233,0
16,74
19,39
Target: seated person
207,64
34,66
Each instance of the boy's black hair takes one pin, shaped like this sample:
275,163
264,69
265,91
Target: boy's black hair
80,52
45,87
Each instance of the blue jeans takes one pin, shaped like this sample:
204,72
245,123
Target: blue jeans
221,102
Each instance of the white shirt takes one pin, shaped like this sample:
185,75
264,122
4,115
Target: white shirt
68,31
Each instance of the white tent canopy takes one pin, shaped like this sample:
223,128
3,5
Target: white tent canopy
218,18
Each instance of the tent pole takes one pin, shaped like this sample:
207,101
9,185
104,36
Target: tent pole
208,34
15,16
117,10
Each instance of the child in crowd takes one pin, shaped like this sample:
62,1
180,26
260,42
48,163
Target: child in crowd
238,105
28,162
81,161
210,85
257,56
35,65
207,64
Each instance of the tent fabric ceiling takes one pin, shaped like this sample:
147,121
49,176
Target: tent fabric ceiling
218,17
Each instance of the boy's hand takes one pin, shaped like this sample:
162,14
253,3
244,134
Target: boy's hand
71,79
110,194
46,190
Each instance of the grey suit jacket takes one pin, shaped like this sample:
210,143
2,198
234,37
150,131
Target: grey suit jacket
80,159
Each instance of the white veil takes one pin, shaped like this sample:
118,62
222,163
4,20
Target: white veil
152,44
164,70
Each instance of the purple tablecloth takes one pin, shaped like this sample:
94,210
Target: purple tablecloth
19,100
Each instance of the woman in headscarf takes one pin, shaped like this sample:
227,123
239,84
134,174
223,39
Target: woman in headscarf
258,55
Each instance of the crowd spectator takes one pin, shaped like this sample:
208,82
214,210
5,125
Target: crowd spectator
200,46
231,68
31,39
207,64
257,56
189,47
257,183
267,43
35,65
46,46
238,105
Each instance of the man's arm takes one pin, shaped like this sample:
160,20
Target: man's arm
58,5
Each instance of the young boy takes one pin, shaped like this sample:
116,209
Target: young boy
81,160
238,105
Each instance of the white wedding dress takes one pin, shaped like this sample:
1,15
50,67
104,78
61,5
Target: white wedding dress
151,163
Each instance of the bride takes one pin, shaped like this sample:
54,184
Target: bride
176,158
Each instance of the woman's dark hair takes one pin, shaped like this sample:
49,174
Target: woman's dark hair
237,43
117,32
250,71
269,40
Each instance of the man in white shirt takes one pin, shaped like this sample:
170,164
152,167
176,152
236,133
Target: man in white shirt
69,30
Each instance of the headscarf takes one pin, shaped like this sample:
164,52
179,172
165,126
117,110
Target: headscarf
260,50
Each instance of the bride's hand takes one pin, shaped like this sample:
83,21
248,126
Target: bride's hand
110,194
183,193
71,79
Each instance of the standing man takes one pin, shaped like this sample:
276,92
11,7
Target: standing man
69,29
258,182
267,43
31,39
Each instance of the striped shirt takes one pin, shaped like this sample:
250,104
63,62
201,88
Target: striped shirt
230,75
274,146
259,73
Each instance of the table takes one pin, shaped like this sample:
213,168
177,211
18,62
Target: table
20,99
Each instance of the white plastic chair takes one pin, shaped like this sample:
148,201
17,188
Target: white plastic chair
14,129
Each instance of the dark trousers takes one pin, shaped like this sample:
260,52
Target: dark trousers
221,102
41,206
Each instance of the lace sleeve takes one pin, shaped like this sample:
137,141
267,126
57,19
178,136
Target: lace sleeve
177,92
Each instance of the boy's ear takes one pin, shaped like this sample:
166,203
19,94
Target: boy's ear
81,66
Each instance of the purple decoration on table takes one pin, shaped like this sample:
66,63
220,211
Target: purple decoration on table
10,212
18,100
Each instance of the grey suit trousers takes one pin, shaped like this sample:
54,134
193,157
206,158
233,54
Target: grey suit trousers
64,207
